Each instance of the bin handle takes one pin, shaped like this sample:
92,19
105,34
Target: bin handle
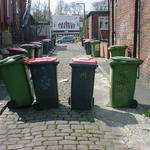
138,73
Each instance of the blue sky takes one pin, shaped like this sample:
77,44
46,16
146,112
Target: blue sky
54,3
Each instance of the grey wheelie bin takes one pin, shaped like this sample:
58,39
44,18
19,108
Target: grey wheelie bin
87,46
82,83
46,46
44,77
16,81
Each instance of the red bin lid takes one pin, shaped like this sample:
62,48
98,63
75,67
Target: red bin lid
16,49
40,60
87,40
84,60
38,43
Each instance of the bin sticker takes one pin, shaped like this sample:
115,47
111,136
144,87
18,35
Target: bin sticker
44,81
97,47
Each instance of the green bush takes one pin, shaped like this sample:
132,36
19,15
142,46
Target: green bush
147,113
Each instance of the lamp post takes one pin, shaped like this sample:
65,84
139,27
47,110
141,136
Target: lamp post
84,28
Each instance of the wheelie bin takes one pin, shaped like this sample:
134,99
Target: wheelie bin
87,46
38,49
123,81
117,50
82,83
16,51
44,77
30,49
95,48
46,46
16,80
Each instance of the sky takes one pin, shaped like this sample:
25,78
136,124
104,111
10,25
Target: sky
53,3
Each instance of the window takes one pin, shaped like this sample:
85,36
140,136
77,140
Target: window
103,23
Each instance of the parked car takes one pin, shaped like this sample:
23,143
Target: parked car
66,39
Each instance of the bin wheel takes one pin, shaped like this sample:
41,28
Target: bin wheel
133,104
11,104
36,106
69,101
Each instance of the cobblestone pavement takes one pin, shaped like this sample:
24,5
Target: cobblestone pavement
63,128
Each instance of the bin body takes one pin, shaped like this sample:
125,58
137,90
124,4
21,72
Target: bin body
16,80
16,51
44,76
123,80
117,50
82,84
38,49
95,48
87,46
30,49
46,44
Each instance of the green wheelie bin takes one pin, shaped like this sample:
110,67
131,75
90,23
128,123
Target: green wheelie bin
16,81
123,81
95,48
38,49
117,50
30,49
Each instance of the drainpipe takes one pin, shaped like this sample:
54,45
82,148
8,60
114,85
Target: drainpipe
113,23
139,29
135,28
108,23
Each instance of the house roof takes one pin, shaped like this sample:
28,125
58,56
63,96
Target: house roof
96,12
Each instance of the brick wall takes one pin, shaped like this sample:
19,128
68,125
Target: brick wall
145,41
123,23
124,32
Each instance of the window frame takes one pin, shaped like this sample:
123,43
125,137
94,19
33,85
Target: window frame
105,18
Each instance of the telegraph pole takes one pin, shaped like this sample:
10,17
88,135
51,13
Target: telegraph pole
84,18
49,12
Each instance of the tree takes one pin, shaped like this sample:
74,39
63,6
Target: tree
101,5
40,12
72,8
60,8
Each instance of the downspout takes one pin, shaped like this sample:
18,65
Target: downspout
113,23
139,35
139,29
135,28
108,23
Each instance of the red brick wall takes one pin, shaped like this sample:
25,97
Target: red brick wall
124,23
93,27
90,35
145,41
